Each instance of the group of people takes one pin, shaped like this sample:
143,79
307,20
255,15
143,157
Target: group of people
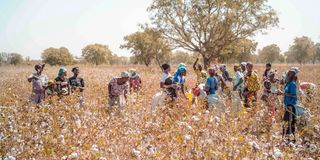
245,84
43,88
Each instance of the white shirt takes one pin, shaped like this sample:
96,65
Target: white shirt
236,78
164,76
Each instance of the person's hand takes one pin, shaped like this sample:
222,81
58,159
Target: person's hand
279,92
64,83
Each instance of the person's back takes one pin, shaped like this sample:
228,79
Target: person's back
135,82
212,83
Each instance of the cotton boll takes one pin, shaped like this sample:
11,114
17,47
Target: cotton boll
313,148
195,118
94,148
73,155
277,153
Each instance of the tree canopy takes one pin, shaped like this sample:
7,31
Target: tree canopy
57,56
97,54
147,46
208,26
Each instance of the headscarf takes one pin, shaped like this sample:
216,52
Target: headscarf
178,72
243,63
223,66
295,70
61,70
124,74
133,71
236,67
182,65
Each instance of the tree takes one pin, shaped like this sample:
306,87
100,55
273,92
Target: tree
147,46
315,53
15,58
208,26
269,54
97,54
181,57
57,56
4,58
239,51
301,50
121,60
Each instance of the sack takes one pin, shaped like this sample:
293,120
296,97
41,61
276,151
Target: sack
135,82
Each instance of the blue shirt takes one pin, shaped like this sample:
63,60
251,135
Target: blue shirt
290,88
212,82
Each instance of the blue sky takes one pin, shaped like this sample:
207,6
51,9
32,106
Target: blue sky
30,26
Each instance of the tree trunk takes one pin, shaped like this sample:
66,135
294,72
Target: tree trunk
206,62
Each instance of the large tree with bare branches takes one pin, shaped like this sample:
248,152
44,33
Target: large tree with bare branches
208,26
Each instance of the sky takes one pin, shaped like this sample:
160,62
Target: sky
30,26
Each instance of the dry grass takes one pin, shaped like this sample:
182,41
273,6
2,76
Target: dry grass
63,130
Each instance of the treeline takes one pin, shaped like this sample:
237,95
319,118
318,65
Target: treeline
149,48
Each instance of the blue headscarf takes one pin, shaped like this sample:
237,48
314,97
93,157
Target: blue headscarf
177,74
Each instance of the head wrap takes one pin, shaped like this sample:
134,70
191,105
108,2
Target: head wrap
61,70
223,66
236,67
243,63
124,74
178,72
182,65
295,70
133,73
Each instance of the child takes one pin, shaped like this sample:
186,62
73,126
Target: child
51,89
39,83
268,97
135,81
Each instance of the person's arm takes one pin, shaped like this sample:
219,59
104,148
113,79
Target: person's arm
195,64
207,86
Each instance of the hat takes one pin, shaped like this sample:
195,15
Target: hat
295,70
50,83
124,74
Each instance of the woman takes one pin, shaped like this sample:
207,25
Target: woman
39,83
211,87
118,87
251,86
135,81
62,82
290,100
179,79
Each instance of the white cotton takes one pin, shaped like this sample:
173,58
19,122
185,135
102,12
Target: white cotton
277,153
73,155
195,118
94,148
